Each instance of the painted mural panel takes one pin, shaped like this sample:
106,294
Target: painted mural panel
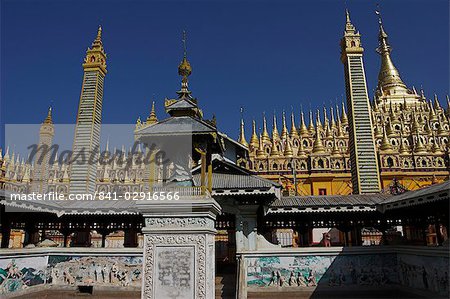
309,271
95,270
424,272
20,273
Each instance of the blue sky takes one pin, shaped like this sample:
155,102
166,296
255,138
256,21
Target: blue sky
262,55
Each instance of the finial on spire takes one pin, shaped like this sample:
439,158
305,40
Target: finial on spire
184,40
347,16
184,69
378,13
242,139
48,119
152,118
99,32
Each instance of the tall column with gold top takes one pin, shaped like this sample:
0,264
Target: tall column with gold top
87,132
364,162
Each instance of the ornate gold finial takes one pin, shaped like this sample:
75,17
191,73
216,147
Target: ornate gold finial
318,146
301,148
344,118
333,122
293,133
48,119
436,149
311,127
403,150
152,118
260,152
254,142
96,56
385,145
288,149
318,121
419,148
388,78
284,130
274,150
275,134
335,151
437,105
242,139
184,69
138,123
303,129
265,134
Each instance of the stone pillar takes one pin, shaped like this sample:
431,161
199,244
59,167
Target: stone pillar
179,239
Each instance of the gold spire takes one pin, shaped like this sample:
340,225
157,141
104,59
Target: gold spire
293,133
96,56
340,131
48,119
437,106
288,149
436,149
254,142
333,122
274,150
152,118
335,151
402,150
385,144
260,152
301,148
389,129
318,146
328,132
311,128
419,148
284,130
378,132
184,69
303,129
388,78
344,118
265,135
318,122
275,134
242,135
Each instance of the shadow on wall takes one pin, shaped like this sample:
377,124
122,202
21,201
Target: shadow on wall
351,274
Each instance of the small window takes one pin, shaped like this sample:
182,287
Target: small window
322,191
390,162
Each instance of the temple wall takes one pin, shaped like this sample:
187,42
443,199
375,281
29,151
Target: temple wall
26,269
332,268
336,268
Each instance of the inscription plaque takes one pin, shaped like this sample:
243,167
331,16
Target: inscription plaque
175,272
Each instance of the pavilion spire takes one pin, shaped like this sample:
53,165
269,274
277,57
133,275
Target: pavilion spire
184,69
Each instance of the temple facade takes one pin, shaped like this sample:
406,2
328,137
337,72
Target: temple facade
315,156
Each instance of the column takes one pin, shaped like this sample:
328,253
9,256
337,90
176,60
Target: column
179,235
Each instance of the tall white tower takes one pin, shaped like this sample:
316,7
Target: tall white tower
87,131
364,162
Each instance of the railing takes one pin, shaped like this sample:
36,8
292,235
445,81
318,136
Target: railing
180,190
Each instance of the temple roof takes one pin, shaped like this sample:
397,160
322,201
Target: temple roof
425,195
180,125
327,203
